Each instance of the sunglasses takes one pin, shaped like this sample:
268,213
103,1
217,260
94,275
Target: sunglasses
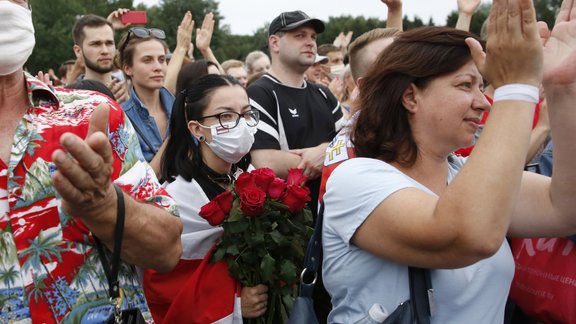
142,32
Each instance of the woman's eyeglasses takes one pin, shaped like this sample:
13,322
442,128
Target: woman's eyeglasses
230,119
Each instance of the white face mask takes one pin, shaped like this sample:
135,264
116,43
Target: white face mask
17,36
231,144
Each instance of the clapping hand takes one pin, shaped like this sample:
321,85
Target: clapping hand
204,34
560,51
513,45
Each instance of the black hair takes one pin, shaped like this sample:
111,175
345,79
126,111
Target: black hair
182,156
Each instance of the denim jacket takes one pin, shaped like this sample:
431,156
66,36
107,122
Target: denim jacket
144,124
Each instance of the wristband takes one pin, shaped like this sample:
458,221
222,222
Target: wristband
517,91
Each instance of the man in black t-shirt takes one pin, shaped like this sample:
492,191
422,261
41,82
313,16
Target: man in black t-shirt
297,119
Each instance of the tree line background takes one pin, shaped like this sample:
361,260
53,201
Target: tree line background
53,21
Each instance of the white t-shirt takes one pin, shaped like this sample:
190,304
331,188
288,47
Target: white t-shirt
357,279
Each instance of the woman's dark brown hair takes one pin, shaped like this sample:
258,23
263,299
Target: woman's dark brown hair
382,130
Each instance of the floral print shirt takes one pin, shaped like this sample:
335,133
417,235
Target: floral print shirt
50,270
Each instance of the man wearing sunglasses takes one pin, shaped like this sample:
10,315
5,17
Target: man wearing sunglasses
62,152
94,45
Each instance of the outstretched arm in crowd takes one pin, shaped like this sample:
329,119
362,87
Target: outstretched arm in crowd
183,41
466,9
548,205
151,234
394,19
203,39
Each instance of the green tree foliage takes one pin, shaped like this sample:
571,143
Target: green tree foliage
546,10
168,15
53,21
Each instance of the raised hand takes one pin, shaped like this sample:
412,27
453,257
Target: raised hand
392,4
514,50
560,50
204,34
44,77
184,34
468,6
342,40
115,18
119,90
84,170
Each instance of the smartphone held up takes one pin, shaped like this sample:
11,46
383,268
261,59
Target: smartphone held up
134,17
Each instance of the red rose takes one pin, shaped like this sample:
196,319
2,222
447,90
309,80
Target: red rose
212,213
252,201
263,178
224,201
296,198
276,188
296,177
245,180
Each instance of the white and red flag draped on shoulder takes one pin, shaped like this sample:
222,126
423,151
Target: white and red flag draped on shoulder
210,295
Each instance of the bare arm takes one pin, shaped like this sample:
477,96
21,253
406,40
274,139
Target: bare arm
151,234
183,39
540,132
203,39
469,218
466,9
156,163
277,160
394,19
547,204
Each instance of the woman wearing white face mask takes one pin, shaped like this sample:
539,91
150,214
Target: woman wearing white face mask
212,129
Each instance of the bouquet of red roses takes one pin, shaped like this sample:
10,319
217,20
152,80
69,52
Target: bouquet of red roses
266,229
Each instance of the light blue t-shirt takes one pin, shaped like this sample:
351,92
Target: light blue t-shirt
356,279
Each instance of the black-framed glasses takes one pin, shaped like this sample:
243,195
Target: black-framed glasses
230,119
142,32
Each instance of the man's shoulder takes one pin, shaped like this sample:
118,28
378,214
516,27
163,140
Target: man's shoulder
265,82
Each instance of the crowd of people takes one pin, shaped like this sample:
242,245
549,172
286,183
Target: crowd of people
428,148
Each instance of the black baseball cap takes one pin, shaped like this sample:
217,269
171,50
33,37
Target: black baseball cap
293,19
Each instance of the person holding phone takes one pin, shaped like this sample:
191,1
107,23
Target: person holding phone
142,57
94,45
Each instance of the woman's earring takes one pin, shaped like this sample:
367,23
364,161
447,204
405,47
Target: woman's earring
201,138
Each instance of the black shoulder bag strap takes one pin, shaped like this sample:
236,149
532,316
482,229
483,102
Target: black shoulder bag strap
313,257
420,294
112,270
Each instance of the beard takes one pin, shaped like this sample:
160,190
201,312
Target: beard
94,66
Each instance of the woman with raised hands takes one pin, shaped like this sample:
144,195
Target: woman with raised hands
422,206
